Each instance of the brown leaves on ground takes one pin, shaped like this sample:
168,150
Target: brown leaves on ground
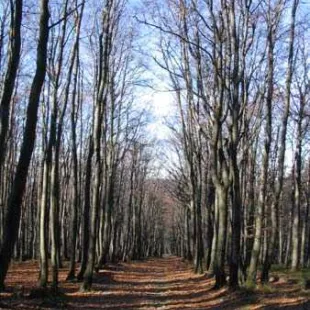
166,283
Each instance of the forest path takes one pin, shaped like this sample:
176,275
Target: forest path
170,283
155,283
165,283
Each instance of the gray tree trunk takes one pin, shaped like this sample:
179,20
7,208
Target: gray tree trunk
19,183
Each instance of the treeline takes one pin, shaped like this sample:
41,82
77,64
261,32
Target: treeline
74,157
239,71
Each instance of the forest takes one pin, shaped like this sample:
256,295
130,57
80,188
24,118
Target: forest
154,154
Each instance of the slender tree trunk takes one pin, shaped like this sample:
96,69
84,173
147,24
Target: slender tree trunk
260,211
19,183
74,227
297,189
282,149
220,249
86,223
43,276
11,73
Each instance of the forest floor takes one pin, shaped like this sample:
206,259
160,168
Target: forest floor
167,283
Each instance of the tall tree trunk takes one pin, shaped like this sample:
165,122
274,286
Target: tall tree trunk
18,187
260,211
43,231
220,247
282,149
88,275
74,227
11,73
297,188
86,223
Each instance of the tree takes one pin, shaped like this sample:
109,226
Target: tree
18,188
10,77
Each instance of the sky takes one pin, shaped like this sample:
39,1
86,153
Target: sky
162,107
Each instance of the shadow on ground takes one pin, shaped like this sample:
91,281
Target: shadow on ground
167,283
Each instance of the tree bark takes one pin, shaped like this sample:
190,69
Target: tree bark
18,188
11,73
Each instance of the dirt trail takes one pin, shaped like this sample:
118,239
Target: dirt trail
169,283
166,283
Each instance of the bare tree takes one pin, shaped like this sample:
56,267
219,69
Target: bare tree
15,199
